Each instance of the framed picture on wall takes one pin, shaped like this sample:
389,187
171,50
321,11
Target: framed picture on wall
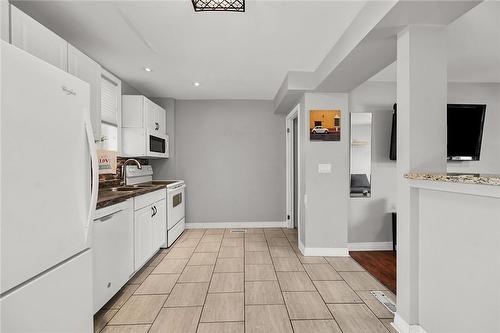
324,125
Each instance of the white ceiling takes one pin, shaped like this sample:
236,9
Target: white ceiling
473,47
233,55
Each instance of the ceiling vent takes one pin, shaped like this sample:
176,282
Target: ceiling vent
218,5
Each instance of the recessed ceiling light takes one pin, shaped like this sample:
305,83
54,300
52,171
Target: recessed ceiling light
196,84
147,69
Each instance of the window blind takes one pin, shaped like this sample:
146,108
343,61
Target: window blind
109,101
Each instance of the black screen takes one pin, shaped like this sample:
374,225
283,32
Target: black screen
465,130
156,144
392,152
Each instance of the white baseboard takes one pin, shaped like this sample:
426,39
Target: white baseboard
370,246
325,252
237,225
403,327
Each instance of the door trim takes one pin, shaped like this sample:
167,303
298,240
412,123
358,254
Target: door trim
289,167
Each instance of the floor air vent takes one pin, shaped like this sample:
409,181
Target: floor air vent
386,301
238,231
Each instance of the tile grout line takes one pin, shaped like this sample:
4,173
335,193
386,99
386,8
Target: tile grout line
326,304
209,282
166,299
279,284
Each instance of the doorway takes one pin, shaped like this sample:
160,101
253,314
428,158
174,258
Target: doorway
292,170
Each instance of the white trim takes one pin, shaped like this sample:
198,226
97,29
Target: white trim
326,252
302,248
236,225
289,166
370,246
402,326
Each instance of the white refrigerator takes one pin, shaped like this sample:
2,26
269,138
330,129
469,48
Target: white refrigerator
48,196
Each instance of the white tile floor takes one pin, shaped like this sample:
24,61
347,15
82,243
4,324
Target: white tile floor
214,280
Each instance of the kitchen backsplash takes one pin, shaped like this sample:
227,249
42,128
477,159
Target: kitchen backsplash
114,179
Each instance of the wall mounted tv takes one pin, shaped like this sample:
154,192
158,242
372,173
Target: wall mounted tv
465,131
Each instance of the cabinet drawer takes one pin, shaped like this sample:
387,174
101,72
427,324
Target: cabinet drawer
149,198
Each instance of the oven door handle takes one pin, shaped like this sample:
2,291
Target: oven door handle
183,186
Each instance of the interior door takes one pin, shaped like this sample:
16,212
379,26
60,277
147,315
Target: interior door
44,137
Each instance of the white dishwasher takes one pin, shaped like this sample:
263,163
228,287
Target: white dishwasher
113,250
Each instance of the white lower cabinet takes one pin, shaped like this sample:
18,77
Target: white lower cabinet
149,225
160,224
113,250
143,227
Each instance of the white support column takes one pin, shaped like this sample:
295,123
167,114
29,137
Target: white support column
421,144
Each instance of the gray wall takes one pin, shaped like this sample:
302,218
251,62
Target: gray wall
327,208
480,93
456,230
369,218
232,156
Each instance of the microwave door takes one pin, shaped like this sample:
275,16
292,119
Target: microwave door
156,144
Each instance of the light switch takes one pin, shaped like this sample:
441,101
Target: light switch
324,168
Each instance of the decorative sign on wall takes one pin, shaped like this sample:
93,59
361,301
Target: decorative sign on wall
107,161
324,125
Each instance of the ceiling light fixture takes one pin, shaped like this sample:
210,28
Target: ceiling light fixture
147,69
219,5
196,84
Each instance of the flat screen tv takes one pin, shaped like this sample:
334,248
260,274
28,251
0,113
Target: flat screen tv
465,131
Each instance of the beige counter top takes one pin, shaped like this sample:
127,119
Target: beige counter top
481,179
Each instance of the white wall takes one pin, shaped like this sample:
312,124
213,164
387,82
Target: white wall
232,156
326,210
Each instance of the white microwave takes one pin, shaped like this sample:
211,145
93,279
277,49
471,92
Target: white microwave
138,142
156,144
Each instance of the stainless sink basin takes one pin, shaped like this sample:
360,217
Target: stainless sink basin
122,189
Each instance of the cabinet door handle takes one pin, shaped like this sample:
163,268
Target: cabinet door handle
153,213
157,126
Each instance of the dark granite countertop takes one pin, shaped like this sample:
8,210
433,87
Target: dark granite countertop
464,178
107,197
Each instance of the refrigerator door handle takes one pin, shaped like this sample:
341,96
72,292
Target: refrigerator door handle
94,170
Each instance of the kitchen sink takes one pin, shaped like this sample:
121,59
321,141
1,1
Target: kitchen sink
122,189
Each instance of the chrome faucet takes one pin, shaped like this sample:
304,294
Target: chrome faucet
139,166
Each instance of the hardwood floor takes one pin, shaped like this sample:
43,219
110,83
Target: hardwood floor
381,264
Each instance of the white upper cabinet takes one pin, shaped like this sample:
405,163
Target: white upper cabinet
89,71
138,111
34,38
155,117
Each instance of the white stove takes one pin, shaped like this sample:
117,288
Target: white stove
176,194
